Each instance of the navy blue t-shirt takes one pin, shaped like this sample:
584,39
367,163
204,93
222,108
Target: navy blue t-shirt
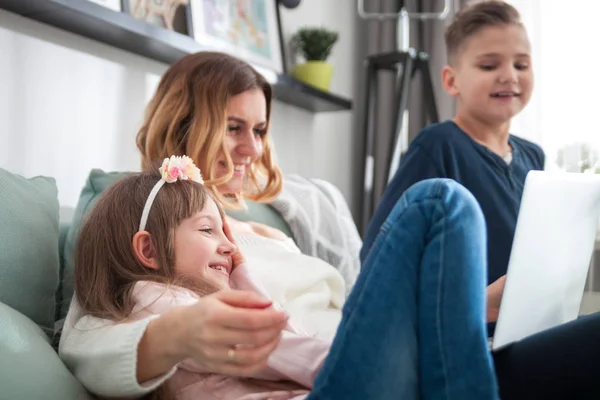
445,151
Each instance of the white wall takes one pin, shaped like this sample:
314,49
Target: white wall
319,145
69,104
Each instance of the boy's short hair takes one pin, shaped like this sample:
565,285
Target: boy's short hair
472,18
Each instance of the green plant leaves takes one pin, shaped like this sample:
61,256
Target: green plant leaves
315,44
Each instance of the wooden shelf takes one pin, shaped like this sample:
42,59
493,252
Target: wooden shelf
122,31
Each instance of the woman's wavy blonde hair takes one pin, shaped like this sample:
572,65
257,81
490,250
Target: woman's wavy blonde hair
188,115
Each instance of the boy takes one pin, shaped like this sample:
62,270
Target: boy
489,73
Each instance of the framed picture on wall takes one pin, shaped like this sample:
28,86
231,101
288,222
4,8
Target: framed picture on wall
169,14
248,29
112,4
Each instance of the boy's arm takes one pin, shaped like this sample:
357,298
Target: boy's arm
542,159
416,165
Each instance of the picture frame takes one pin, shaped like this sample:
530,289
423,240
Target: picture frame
114,5
173,15
248,29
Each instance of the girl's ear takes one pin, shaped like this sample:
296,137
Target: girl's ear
144,250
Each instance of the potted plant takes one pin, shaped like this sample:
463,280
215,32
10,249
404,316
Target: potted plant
315,45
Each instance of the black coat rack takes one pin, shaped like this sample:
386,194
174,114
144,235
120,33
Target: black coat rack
405,64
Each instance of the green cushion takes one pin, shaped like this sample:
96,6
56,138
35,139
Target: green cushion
29,366
97,182
29,256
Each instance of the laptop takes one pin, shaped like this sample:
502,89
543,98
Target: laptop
550,256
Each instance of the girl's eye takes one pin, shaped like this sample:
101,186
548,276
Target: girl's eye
487,67
206,230
521,67
233,128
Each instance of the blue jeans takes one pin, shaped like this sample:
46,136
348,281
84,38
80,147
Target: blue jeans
413,327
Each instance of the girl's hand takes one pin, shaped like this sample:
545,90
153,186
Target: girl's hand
237,258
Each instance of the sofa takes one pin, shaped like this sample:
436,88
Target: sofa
36,280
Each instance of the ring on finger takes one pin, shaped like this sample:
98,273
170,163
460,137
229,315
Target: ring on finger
231,354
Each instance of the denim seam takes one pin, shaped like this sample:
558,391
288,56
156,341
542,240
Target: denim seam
444,211
439,306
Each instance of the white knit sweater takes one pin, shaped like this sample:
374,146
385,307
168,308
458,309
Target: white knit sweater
321,223
103,355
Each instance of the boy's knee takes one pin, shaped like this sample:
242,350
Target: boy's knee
458,198
450,192
439,187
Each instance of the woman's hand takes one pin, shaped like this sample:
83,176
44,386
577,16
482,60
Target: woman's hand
208,330
494,297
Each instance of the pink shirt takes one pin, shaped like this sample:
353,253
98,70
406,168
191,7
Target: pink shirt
290,370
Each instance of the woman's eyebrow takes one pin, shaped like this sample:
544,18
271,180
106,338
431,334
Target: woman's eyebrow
236,119
243,121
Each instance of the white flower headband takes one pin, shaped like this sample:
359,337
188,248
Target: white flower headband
172,169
